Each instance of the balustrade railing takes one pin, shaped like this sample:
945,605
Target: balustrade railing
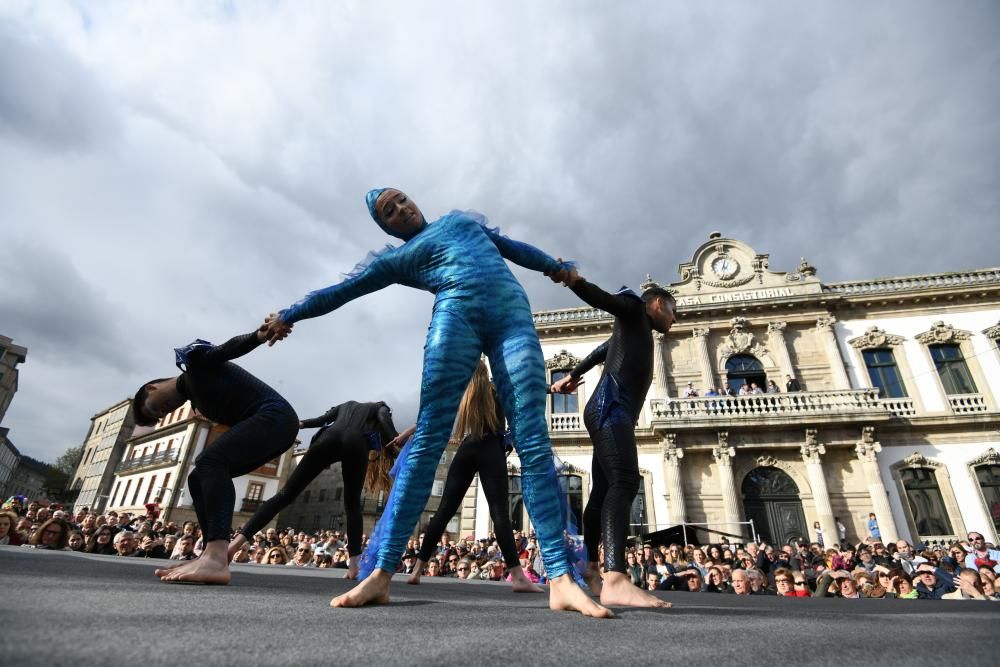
565,422
899,407
251,504
965,404
160,458
909,283
849,401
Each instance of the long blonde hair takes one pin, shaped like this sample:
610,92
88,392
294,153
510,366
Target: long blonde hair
477,414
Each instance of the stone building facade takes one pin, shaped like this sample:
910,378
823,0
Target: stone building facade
11,356
897,413
109,430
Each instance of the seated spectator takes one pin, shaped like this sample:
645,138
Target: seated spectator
433,568
790,584
52,534
169,544
652,581
8,529
758,582
101,542
970,587
902,586
932,582
125,543
633,569
302,557
76,541
694,581
242,554
715,582
981,555
324,560
741,582
150,548
185,548
275,556
463,568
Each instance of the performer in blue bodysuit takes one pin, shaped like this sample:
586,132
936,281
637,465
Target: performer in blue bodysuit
479,308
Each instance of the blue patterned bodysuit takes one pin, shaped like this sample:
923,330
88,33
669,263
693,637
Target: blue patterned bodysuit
480,307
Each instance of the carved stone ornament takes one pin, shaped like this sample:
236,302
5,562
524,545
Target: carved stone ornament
648,283
875,337
918,460
942,333
671,452
740,341
812,450
990,458
993,333
699,332
867,448
562,360
512,469
767,461
777,328
825,322
724,455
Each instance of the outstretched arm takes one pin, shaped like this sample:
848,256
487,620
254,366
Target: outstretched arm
322,420
615,304
522,253
232,349
569,382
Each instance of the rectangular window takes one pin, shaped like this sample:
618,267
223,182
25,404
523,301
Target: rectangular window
149,489
166,485
255,491
322,495
563,403
135,496
114,494
128,483
926,503
884,374
338,493
305,496
952,370
438,489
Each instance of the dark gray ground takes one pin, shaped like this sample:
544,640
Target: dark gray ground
74,609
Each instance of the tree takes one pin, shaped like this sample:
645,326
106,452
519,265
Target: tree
69,460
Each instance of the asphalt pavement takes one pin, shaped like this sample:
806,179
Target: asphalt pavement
60,608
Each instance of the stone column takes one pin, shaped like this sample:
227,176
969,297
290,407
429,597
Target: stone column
704,358
867,450
723,455
672,455
659,366
824,325
812,452
777,344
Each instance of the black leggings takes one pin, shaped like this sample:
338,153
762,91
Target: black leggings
616,479
350,447
487,457
242,449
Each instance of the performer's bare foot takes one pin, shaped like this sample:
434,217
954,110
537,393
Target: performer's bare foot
619,591
593,578
414,579
235,545
212,567
373,590
352,567
519,582
565,595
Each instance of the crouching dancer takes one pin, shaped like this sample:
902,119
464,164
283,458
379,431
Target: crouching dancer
262,426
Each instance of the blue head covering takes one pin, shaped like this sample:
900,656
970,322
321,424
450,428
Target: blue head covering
370,199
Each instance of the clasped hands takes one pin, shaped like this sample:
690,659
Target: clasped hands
273,329
566,275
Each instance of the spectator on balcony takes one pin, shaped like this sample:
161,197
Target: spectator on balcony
772,387
125,543
841,531
102,542
51,534
710,391
185,548
755,390
727,390
690,391
792,384
8,529
744,389
981,555
933,582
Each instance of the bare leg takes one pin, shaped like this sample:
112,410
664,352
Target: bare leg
212,567
373,590
565,595
620,591
235,545
520,582
418,567
593,578
352,567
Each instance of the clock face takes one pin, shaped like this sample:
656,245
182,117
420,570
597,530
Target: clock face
725,267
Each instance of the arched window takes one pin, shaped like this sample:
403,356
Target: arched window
989,483
884,373
563,403
743,369
952,369
923,495
515,501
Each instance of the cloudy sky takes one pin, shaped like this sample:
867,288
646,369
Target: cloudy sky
175,170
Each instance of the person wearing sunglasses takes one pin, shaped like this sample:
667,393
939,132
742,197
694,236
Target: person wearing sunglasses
981,555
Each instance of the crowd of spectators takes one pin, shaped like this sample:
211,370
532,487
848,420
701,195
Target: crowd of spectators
962,570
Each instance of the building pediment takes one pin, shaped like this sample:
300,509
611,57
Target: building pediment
727,270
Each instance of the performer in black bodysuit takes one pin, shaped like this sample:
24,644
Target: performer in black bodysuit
610,417
262,426
481,426
352,433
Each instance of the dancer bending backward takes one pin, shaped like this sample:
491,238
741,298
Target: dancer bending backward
480,426
363,438
262,426
610,417
479,307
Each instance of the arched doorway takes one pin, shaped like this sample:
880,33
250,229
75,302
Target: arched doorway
743,369
771,500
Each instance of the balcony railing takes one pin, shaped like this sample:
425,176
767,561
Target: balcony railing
167,457
250,504
565,422
762,406
899,407
966,404
910,283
